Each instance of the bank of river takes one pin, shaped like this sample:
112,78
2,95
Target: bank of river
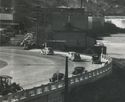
108,89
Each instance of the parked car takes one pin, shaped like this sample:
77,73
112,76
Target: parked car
47,51
96,59
74,56
79,70
56,77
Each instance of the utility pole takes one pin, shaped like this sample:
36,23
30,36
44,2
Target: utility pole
37,25
0,24
66,81
81,3
67,3
13,14
87,11
13,8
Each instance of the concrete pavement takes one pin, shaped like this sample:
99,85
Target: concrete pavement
87,60
31,69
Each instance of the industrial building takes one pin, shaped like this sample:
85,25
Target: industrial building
60,27
66,28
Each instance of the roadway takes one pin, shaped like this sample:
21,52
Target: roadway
31,69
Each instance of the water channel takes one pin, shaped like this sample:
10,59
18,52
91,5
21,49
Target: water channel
108,89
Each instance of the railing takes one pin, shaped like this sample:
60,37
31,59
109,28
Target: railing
50,87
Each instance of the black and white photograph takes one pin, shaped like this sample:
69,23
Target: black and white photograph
62,50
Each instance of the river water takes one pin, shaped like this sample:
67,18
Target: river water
115,45
108,89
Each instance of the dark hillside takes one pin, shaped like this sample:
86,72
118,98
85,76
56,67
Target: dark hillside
27,10
102,6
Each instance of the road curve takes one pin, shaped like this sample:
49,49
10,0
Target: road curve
31,69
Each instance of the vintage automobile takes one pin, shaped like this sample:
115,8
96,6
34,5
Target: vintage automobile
99,49
79,70
73,56
96,59
7,87
57,77
47,51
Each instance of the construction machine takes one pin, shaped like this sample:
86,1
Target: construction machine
6,86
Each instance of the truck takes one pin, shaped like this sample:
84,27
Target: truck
28,41
6,86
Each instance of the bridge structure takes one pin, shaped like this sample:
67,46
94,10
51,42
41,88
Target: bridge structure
54,92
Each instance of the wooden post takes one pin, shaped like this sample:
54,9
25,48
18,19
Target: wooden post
66,81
